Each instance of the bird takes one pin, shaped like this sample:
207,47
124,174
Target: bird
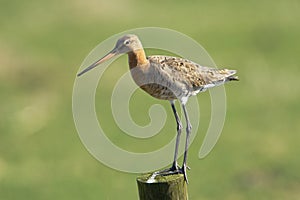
168,78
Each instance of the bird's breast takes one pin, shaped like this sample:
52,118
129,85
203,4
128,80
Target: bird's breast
152,82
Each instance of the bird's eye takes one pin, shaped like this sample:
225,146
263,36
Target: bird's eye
126,42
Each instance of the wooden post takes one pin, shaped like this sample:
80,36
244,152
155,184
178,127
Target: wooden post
172,187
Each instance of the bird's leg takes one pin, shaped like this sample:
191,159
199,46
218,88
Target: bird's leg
174,168
188,132
179,128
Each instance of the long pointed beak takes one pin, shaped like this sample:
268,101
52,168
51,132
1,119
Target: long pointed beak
111,54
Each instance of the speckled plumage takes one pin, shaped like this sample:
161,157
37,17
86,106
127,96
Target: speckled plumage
170,78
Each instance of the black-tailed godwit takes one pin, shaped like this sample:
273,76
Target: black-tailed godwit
168,78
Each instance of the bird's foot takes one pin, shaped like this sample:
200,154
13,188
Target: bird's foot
172,170
183,171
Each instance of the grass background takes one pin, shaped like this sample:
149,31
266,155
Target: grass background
42,44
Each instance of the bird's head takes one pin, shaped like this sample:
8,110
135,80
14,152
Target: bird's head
128,43
125,44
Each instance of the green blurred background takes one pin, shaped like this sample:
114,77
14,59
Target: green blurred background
42,44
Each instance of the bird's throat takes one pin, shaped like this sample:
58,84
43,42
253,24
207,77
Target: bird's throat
137,58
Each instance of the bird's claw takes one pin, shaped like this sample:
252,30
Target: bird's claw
183,171
175,169
167,172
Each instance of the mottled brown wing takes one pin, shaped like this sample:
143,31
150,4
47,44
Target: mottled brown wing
193,75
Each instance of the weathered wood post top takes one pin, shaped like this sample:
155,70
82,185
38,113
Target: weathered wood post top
171,187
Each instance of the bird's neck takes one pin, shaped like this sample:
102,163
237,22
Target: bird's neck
137,58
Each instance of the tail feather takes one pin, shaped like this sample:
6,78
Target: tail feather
216,77
230,75
233,78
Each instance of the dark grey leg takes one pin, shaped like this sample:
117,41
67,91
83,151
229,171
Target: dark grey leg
188,132
179,128
174,168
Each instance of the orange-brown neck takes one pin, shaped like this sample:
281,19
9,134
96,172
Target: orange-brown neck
137,58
